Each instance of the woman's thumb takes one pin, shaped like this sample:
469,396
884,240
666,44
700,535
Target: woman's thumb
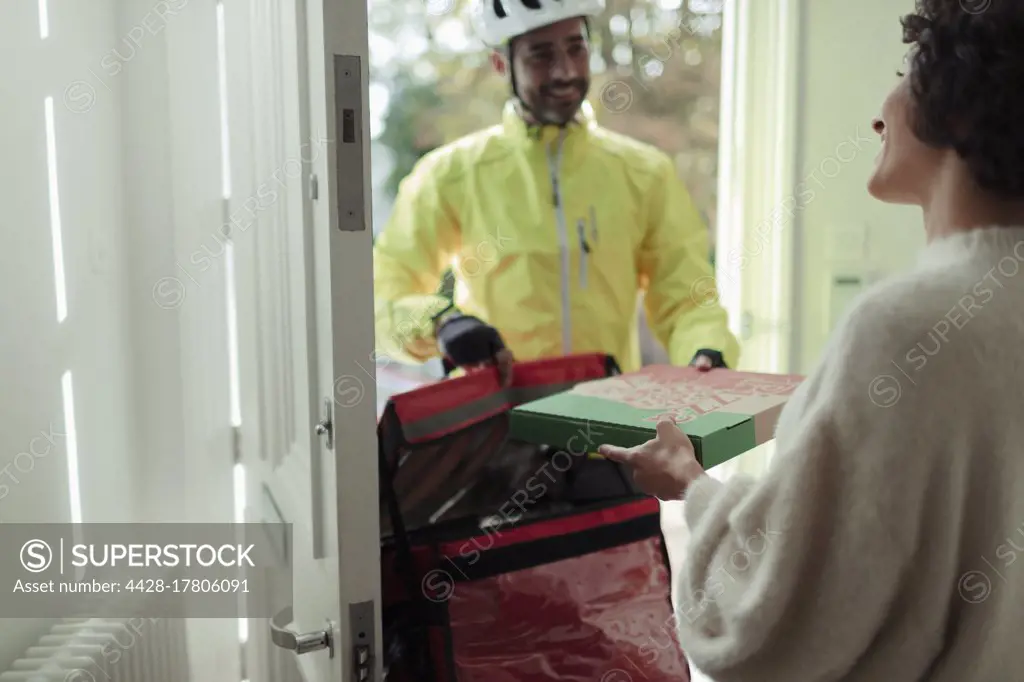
615,453
667,428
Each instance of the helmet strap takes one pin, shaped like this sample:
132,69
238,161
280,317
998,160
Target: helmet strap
524,107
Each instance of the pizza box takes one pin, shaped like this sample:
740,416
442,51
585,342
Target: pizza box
724,412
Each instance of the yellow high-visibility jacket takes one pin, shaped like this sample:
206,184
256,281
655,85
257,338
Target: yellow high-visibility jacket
552,235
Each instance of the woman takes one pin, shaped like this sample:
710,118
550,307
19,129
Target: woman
882,543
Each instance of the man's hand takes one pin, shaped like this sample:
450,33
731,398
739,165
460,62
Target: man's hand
504,360
468,342
707,359
664,466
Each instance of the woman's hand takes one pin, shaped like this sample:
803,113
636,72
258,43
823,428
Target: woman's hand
663,467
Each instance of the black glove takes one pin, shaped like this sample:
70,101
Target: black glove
714,355
465,341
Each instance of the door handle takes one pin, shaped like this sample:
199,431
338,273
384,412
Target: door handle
281,636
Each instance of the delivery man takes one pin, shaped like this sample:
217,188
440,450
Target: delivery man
552,224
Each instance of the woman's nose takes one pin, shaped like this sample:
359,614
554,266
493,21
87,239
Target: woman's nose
878,125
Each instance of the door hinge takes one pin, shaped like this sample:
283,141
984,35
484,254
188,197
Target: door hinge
314,187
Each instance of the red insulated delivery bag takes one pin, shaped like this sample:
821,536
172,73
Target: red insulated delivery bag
508,562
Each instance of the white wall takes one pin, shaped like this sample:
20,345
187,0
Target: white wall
172,182
848,60
92,341
171,151
155,360
134,88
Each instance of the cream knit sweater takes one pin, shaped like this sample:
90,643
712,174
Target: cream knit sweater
882,543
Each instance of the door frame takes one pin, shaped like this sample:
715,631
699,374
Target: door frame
757,238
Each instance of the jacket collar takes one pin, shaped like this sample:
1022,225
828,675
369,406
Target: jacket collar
518,129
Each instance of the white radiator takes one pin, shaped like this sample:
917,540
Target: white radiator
106,650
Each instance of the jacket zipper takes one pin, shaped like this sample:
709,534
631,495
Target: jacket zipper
581,229
554,164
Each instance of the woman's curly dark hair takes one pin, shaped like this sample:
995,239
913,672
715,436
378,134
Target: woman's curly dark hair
967,80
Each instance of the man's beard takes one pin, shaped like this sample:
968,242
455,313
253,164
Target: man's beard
554,110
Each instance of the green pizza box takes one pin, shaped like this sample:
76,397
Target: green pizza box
724,412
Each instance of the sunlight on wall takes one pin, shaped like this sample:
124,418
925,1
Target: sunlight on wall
44,20
72,447
55,222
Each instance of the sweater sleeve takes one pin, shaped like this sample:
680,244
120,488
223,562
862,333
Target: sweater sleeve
792,576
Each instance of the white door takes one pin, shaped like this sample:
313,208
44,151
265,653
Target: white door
299,216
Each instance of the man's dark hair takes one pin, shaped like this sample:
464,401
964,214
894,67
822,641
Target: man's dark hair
968,85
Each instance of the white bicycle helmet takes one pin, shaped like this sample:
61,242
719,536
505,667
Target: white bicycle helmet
498,21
